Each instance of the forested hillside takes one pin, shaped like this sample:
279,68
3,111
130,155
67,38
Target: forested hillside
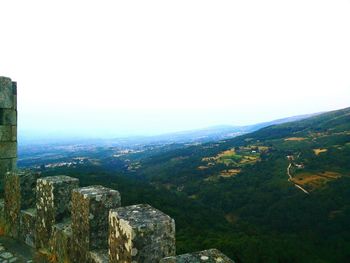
280,194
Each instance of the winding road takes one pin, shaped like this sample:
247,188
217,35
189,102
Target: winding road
290,177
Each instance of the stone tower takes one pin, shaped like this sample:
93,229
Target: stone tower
8,127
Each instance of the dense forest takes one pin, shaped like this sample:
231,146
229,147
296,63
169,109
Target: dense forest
280,194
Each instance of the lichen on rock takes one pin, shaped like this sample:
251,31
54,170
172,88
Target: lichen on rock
206,256
53,203
140,233
90,208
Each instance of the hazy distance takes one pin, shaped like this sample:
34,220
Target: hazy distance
108,69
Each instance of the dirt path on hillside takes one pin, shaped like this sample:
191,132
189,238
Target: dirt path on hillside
290,177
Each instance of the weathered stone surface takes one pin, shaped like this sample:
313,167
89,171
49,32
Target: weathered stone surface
8,117
2,205
22,184
8,133
6,93
6,165
140,233
15,101
53,195
14,88
28,188
12,198
90,209
98,256
8,129
27,226
207,256
13,251
8,149
61,241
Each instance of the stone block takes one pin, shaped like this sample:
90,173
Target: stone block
12,204
23,183
8,150
28,188
27,226
6,93
90,209
207,256
6,165
8,117
140,233
8,133
14,101
53,203
98,256
61,241
2,206
14,87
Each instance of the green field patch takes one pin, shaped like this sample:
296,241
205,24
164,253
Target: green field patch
237,157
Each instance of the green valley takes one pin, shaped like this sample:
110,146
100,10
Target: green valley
239,195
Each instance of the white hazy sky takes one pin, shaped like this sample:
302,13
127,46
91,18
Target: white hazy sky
142,67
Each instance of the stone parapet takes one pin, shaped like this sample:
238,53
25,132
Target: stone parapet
66,223
98,256
90,208
206,256
53,195
27,226
28,181
140,233
12,204
61,241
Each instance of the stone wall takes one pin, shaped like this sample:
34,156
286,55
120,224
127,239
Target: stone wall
68,223
207,256
8,127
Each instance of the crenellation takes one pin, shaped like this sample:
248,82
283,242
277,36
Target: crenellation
28,181
140,233
12,203
75,224
91,206
27,231
53,203
61,241
19,193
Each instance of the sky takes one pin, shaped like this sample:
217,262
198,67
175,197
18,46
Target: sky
120,68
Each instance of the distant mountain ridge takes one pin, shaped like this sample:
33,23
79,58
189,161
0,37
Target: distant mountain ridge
211,133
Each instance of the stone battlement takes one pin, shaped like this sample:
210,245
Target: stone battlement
78,224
